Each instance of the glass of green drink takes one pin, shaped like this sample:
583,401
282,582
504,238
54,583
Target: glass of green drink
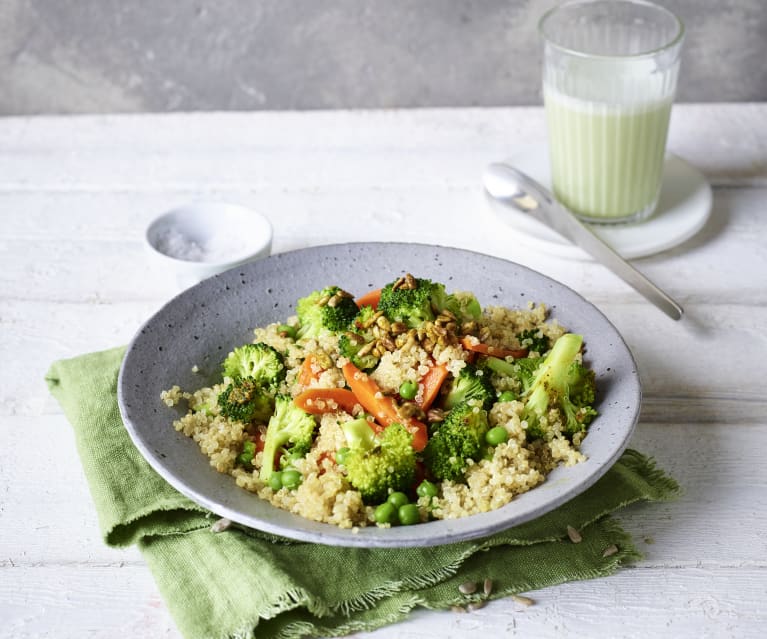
609,77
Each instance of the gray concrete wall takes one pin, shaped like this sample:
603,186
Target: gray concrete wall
75,56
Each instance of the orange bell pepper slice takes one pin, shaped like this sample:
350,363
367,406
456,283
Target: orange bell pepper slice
381,406
326,400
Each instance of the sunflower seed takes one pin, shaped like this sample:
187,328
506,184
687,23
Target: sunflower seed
366,349
457,608
435,415
610,550
522,600
574,535
469,327
467,588
355,338
410,409
487,587
372,320
221,525
476,605
399,327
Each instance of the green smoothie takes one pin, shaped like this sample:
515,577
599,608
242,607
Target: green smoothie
606,160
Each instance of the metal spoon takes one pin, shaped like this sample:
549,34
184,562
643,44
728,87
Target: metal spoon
513,188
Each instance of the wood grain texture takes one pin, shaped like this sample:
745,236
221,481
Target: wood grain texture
76,194
723,603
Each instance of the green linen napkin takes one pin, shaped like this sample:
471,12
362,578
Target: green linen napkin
241,583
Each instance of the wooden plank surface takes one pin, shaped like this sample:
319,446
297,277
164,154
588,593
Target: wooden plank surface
76,193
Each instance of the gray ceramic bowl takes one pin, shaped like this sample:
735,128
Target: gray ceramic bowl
201,325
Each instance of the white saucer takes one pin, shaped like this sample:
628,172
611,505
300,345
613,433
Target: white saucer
683,209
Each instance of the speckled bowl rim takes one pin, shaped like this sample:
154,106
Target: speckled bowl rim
200,325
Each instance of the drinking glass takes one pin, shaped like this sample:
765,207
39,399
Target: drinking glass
609,77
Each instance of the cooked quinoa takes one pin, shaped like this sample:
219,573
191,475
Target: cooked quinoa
325,493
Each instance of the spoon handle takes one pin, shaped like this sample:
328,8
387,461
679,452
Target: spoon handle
584,237
563,221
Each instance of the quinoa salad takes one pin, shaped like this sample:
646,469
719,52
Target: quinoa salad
407,404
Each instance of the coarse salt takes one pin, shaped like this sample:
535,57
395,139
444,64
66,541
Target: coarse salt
219,247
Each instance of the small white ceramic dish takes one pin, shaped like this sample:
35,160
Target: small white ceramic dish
683,209
201,239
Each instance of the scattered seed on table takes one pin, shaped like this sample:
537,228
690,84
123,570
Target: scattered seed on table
487,587
476,605
221,525
522,600
457,608
467,588
610,550
574,535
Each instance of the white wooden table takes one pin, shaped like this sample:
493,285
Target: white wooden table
76,194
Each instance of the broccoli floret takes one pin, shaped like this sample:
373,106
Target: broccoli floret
521,370
364,317
351,344
290,427
415,300
561,384
360,340
472,383
359,434
581,382
534,340
330,310
463,305
460,437
409,300
245,400
379,464
526,368
258,361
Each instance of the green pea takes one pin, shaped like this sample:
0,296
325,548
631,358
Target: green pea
291,479
341,455
386,513
275,481
506,396
247,454
408,390
398,499
497,435
408,514
426,489
287,331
